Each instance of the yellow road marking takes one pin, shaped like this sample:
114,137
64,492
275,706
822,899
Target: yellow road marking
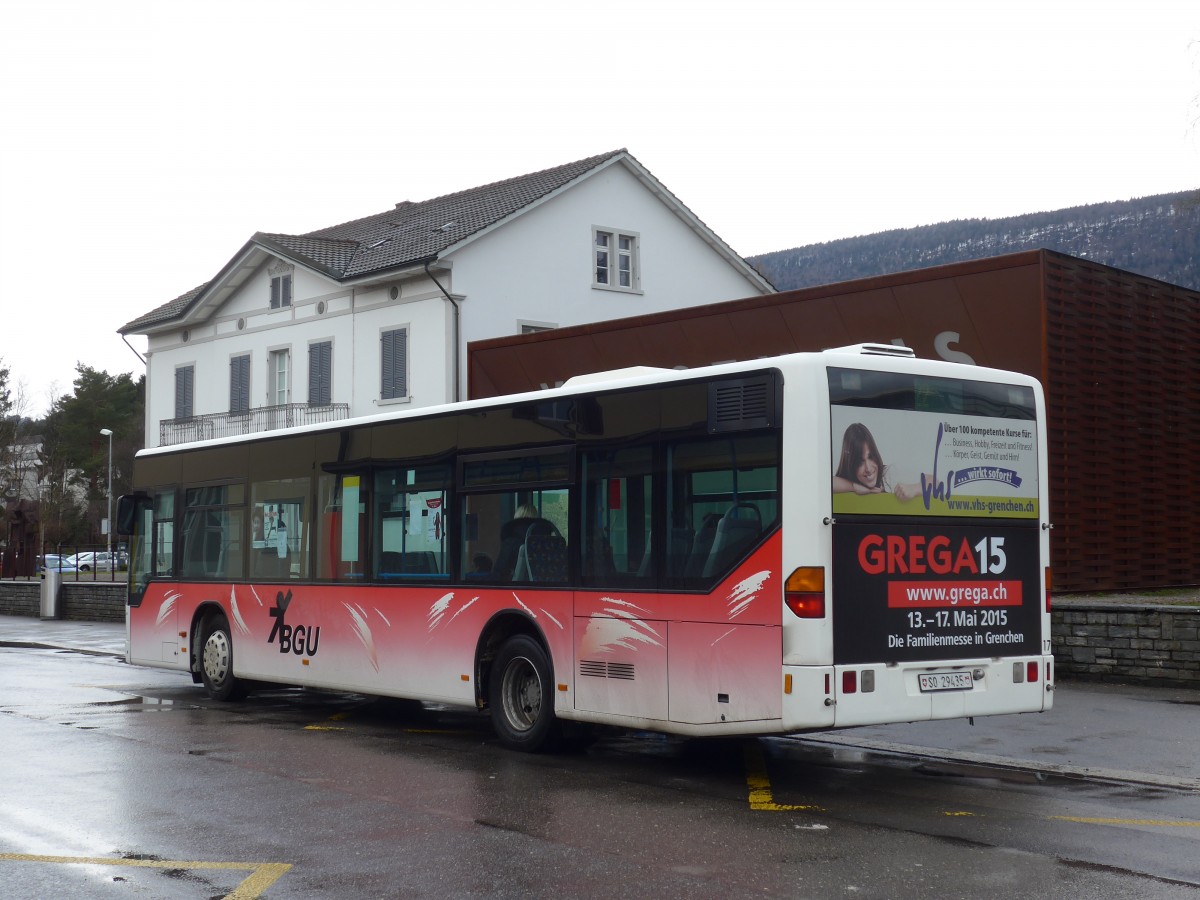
324,728
759,784
261,877
1167,823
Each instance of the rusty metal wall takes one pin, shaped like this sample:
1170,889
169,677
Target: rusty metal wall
1123,388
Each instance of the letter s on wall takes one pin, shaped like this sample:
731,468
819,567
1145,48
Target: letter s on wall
942,342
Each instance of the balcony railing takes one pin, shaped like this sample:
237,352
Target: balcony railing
260,418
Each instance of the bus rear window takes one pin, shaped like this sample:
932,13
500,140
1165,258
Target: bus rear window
921,393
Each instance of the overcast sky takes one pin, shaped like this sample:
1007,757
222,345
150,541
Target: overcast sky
144,143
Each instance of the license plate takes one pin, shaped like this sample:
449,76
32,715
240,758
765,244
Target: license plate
945,681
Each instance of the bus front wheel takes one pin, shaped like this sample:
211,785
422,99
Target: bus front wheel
216,660
521,698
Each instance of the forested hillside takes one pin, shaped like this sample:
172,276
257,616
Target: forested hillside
1155,236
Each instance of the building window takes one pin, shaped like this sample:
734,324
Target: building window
239,385
278,377
185,380
281,291
534,327
320,375
616,260
393,356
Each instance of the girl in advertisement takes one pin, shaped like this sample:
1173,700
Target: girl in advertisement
861,469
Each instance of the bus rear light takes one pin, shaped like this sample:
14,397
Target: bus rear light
849,682
1047,589
787,684
1023,672
868,681
804,592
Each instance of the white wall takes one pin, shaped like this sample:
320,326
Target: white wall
352,319
539,267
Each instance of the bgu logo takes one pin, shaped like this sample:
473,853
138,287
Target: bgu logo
301,640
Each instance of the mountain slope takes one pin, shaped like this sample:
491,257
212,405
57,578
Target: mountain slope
1154,236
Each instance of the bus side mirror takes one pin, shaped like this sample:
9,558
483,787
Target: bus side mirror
127,509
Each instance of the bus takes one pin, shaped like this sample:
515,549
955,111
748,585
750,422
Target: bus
805,543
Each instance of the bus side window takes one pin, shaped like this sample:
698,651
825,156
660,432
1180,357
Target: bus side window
342,539
212,532
410,522
162,560
724,494
279,528
618,492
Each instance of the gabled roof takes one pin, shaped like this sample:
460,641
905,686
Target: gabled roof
409,235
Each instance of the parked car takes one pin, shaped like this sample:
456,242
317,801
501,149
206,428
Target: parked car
56,563
88,560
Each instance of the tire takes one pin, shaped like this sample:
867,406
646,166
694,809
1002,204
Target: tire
216,660
521,697
85,568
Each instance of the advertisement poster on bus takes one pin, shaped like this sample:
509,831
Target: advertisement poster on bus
923,590
889,462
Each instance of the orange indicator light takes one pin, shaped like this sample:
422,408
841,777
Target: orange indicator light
804,592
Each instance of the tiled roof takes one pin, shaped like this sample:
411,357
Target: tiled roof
164,313
408,234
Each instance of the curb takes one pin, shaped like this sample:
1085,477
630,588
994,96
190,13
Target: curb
1033,766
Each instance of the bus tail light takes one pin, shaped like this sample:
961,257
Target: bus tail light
849,682
804,592
1047,589
1025,673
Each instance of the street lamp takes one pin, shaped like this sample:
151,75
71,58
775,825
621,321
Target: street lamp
107,432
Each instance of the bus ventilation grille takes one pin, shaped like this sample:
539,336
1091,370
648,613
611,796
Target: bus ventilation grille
600,669
736,405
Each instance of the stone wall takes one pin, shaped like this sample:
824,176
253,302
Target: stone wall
82,601
20,598
1139,644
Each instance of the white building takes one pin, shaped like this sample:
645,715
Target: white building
376,313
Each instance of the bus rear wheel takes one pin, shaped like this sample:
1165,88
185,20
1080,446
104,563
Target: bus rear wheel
216,660
521,698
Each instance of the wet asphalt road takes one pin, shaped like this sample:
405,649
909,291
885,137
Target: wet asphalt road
125,782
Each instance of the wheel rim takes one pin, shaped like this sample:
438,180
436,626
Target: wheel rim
216,657
522,693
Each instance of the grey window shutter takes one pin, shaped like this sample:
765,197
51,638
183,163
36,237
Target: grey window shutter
184,378
320,375
239,385
394,364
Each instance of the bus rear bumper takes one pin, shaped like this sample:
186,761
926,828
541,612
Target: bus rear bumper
817,697
875,694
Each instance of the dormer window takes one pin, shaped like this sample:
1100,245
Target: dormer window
281,285
281,291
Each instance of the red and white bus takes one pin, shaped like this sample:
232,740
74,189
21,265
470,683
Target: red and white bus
802,543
